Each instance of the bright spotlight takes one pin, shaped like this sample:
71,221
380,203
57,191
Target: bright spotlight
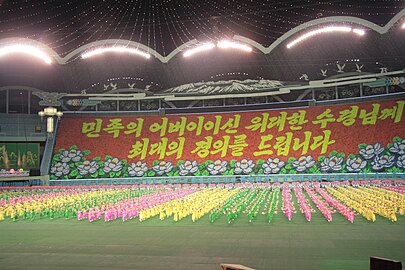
359,32
204,47
116,49
328,29
226,44
403,26
27,49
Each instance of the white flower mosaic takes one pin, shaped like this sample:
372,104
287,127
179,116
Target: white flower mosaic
218,167
371,151
355,164
381,162
398,148
188,167
401,162
245,166
163,167
60,169
137,169
273,165
332,164
303,163
112,165
73,155
88,167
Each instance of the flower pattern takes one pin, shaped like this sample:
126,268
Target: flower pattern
272,166
137,169
355,164
245,166
218,167
398,148
330,164
112,165
370,158
381,162
401,162
71,155
188,167
303,163
60,169
88,167
163,167
370,151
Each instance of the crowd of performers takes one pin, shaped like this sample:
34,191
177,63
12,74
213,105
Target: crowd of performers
360,199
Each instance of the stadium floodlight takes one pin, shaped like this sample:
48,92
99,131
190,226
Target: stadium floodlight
327,29
226,44
117,49
359,32
203,47
27,49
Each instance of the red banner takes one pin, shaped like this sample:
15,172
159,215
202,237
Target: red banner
253,135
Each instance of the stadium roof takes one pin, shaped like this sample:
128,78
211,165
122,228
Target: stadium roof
165,29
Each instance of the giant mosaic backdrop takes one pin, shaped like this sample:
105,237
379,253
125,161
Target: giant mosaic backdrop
353,138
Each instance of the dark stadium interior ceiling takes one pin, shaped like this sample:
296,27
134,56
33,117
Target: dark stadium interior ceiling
164,25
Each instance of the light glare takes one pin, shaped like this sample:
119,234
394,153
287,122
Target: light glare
99,51
204,47
359,32
225,44
27,49
327,29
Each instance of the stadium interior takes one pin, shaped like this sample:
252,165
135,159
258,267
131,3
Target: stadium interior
179,134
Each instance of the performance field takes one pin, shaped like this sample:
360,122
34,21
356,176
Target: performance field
263,226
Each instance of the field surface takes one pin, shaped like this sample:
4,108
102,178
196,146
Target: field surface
155,244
